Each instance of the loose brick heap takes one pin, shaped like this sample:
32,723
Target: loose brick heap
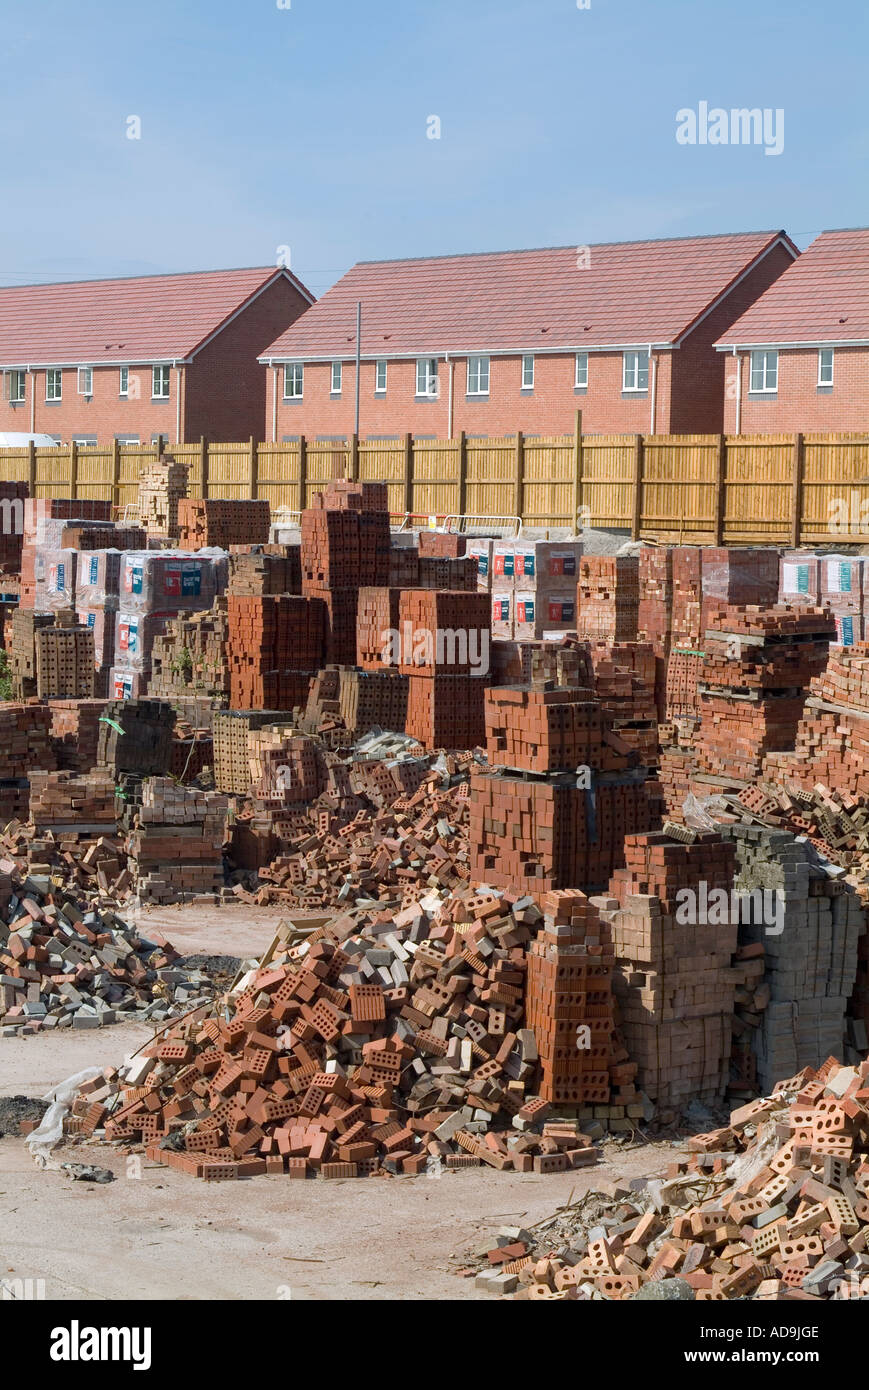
232,748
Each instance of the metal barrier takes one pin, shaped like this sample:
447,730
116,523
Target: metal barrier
485,524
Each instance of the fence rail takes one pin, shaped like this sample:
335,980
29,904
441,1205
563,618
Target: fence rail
706,489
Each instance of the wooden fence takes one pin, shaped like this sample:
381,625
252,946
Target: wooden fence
702,489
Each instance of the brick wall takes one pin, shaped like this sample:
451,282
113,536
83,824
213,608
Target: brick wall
103,415
227,397
698,370
799,404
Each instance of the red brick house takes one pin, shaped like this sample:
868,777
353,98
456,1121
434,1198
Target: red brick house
511,340
799,355
170,355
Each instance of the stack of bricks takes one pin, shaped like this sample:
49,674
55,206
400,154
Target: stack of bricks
191,656
608,598
842,580
683,662
345,546
832,739
551,731
403,565
162,485
135,738
443,648
562,663
569,1005
64,663
232,746
75,733
756,668
12,498
222,523
655,613
175,848
442,545
45,519
265,569
25,625
276,643
25,741
72,801
102,535
285,766
444,572
624,681
673,964
372,699
377,627
809,926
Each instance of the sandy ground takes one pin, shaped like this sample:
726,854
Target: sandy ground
155,1233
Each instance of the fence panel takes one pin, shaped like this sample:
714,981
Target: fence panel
834,505
549,484
490,477
278,475
680,487
436,477
758,489
382,461
608,479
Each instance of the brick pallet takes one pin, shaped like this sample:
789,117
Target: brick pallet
70,799
442,572
443,633
403,567
372,699
162,485
265,569
75,733
276,642
64,663
22,658
625,681
100,535
191,655
551,731
608,597
136,737
446,711
217,522
231,746
377,627
25,742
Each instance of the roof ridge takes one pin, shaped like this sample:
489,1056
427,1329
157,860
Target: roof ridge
531,250
152,275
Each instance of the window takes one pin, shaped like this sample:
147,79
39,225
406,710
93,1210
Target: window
124,381
54,384
159,439
336,378
764,371
16,386
636,371
294,381
825,367
380,377
527,372
85,441
581,381
478,376
160,383
85,381
127,439
427,376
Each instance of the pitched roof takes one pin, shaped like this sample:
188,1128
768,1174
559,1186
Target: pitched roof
144,319
630,293
822,298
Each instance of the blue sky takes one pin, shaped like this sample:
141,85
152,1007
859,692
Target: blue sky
307,126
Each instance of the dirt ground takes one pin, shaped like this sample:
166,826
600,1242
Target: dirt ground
155,1233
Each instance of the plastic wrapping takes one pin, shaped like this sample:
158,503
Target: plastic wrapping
480,549
740,576
98,579
101,622
55,572
800,578
50,1130
842,583
546,565
135,633
171,580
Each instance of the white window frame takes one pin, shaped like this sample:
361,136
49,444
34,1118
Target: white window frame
763,363
164,378
380,366
580,380
294,375
634,370
88,441
427,377
124,381
129,441
85,381
828,380
479,373
54,379
17,386
527,377
337,376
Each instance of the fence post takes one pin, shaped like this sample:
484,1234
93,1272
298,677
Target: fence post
73,468
253,467
116,473
303,471
577,469
203,466
637,510
408,473
463,473
353,469
797,498
519,480
31,467
720,477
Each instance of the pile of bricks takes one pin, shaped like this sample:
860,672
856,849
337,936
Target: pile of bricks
372,699
673,975
401,1050
781,1214
754,674
68,961
162,485
232,746
25,741
265,569
551,731
285,766
175,846
75,733
135,738
377,630
64,663
569,1005
276,642
216,522
832,740
191,656
625,682
72,800
608,598
345,546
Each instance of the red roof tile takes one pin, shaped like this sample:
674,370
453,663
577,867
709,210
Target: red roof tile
143,319
822,298
631,293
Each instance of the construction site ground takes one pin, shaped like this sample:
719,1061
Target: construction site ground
162,1235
